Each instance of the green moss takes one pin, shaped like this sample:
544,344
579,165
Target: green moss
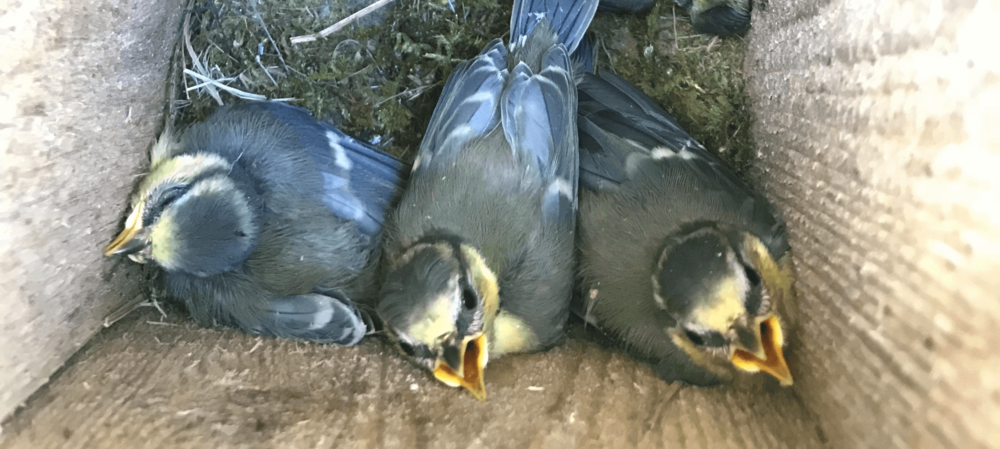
384,80
381,80
697,79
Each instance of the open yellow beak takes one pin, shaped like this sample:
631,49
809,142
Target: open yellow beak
125,241
773,362
474,357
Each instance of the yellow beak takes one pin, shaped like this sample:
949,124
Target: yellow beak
125,241
474,357
773,362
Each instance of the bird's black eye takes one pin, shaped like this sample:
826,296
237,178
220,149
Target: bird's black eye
752,276
708,339
754,297
407,348
469,299
695,338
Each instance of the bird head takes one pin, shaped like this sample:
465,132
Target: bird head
438,302
188,216
721,288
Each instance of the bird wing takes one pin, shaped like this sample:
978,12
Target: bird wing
323,318
360,182
537,112
585,56
624,134
468,108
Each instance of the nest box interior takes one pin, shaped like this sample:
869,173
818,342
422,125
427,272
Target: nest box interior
871,125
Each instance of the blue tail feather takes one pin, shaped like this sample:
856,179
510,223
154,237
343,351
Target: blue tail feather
568,18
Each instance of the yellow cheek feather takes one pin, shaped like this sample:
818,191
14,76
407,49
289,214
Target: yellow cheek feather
438,321
727,307
698,356
510,334
506,333
485,280
777,277
161,242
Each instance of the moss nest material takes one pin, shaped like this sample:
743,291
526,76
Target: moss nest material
380,77
697,78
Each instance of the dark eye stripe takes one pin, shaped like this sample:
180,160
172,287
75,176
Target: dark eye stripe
752,276
695,338
753,300
469,299
160,200
415,350
162,196
714,339
710,339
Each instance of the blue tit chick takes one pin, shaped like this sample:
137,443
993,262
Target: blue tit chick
265,219
480,250
719,17
679,259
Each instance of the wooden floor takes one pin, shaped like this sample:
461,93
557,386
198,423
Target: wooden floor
147,384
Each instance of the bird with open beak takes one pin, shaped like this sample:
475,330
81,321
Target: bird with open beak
265,219
680,260
480,250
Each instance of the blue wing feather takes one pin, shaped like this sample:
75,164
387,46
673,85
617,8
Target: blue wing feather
323,318
359,181
375,179
601,164
569,19
537,112
585,55
468,108
622,131
525,119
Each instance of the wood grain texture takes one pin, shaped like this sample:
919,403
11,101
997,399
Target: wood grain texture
877,127
82,89
155,385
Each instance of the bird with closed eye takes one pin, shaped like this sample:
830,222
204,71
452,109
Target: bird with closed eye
267,219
